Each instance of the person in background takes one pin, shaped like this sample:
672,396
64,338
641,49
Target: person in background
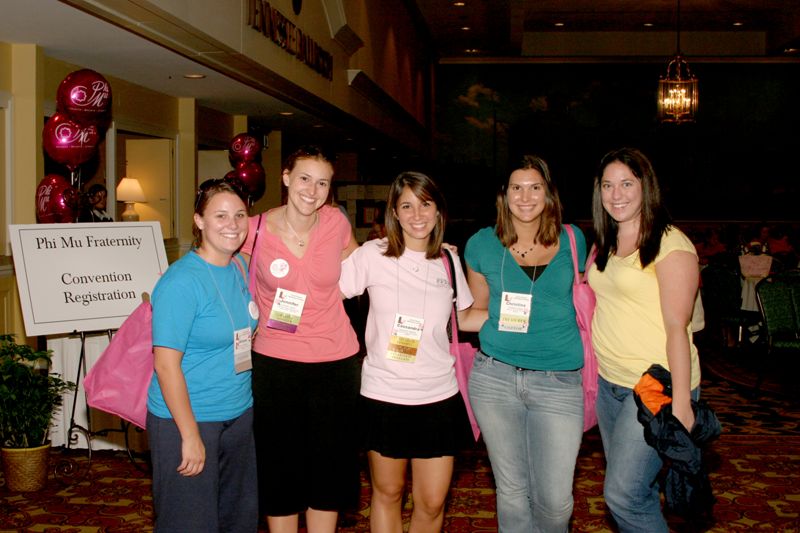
526,385
200,415
95,210
412,410
378,228
708,245
306,368
335,203
645,278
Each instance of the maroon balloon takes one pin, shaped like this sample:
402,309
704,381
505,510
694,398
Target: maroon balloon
67,142
253,178
244,148
85,96
56,200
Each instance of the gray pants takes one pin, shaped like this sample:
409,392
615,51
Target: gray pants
223,498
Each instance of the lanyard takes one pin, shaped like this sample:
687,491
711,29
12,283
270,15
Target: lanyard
424,294
502,274
224,305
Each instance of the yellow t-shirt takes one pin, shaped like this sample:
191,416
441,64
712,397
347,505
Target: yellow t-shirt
628,332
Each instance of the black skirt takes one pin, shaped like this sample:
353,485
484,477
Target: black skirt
436,429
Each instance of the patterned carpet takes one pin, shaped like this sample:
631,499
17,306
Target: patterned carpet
754,469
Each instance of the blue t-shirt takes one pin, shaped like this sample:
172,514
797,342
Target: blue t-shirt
189,316
552,341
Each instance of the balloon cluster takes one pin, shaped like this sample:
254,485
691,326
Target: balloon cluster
70,137
244,153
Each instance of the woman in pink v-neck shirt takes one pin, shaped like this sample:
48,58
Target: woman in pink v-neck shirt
306,369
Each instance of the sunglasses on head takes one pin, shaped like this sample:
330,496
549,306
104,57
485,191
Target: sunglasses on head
234,183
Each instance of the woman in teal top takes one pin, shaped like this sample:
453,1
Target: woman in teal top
525,386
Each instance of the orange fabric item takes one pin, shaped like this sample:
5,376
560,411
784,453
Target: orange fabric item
651,392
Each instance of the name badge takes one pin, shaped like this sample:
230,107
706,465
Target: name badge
286,310
242,346
515,312
406,333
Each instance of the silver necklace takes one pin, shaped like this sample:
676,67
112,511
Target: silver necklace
300,241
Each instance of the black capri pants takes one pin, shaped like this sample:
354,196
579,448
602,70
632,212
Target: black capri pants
306,426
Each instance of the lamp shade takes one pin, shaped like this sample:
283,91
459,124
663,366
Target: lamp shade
129,190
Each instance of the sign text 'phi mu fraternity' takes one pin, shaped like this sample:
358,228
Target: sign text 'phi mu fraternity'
272,24
84,277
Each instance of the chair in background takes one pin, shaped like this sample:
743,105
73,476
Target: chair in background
722,300
779,303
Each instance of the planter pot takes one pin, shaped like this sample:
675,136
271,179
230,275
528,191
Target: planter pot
25,469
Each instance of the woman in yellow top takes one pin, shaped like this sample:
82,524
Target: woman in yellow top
645,278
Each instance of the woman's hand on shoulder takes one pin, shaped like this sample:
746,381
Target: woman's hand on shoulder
452,247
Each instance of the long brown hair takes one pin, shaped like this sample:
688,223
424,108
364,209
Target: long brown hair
654,216
550,222
425,190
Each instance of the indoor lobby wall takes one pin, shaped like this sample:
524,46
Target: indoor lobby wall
395,54
394,63
134,110
736,162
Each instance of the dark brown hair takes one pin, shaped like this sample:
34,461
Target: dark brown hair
654,217
425,190
550,225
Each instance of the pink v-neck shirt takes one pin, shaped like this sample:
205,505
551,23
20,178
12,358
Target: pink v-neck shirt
324,332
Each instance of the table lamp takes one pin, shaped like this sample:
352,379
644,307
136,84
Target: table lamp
129,191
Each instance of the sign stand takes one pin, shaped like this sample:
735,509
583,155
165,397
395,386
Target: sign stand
87,432
84,278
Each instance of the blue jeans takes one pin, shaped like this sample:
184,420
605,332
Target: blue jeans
532,423
630,488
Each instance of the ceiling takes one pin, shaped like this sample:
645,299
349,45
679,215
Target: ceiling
509,29
499,30
74,36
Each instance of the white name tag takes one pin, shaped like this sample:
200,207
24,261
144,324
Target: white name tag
515,312
286,310
242,346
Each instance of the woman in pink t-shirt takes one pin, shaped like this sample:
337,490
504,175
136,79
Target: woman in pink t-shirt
411,408
306,369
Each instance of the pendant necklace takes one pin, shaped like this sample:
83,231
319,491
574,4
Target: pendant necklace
300,241
522,254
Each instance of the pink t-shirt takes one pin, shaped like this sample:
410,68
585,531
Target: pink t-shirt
324,332
409,285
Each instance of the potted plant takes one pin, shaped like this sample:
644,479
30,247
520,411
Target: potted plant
28,397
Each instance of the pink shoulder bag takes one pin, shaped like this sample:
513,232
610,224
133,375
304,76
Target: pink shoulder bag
584,301
117,383
464,352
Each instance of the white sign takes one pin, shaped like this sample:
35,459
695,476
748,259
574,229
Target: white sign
84,277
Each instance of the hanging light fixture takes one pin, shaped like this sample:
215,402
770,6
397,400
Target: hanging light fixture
677,90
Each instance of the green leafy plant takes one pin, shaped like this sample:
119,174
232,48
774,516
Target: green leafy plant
28,394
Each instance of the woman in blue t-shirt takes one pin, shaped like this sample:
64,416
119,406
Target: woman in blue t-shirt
525,386
200,419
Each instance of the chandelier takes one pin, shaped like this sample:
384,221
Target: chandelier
677,89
